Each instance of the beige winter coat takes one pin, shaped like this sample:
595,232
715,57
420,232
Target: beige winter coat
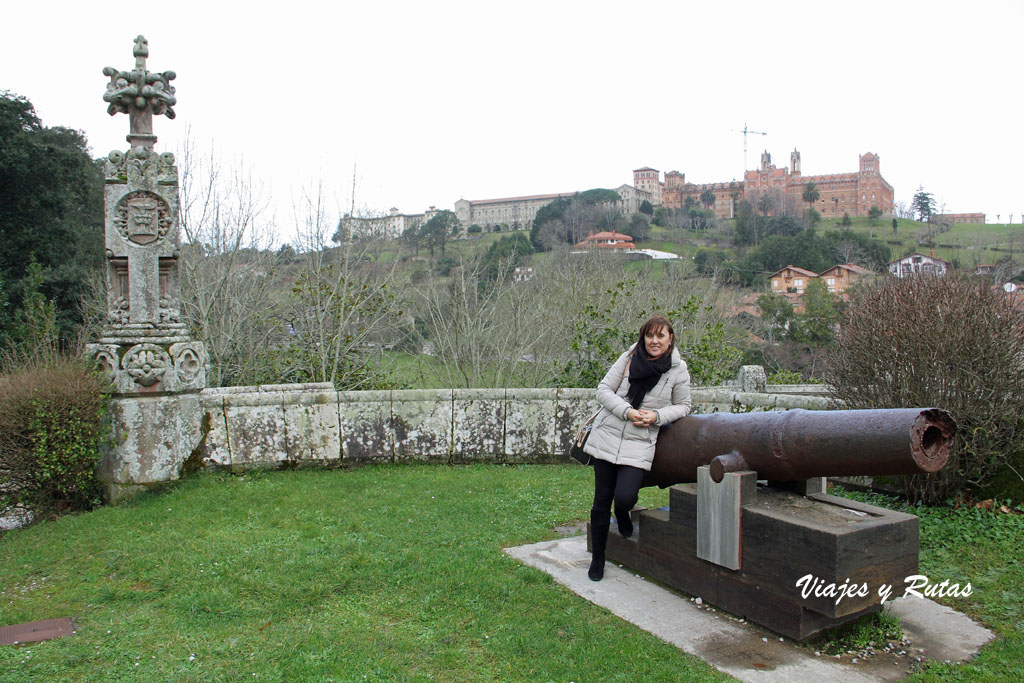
616,439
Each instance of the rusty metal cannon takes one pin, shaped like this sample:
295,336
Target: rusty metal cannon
802,444
752,549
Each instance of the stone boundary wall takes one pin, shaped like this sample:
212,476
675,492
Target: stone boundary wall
803,389
314,425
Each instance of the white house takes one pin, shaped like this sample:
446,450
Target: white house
915,263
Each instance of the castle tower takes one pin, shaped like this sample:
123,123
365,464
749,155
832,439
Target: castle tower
675,179
766,161
869,164
648,180
794,162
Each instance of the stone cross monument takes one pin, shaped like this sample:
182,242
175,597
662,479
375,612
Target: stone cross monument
156,368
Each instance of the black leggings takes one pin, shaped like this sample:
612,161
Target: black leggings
618,483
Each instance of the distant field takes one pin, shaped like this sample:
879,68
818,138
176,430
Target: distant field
966,244
408,370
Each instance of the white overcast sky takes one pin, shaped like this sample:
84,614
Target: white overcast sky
433,101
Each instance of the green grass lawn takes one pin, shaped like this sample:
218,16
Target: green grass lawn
966,243
408,370
391,572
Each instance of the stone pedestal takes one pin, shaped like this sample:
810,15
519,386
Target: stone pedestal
153,437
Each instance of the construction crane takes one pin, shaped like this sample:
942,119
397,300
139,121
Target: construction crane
745,131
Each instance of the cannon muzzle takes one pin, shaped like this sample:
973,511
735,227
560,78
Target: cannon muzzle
801,444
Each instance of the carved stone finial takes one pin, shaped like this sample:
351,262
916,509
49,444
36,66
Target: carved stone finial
141,51
140,94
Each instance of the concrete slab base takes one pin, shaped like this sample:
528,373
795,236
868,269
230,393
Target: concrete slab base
735,647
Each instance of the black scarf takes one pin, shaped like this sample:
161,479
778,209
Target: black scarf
644,373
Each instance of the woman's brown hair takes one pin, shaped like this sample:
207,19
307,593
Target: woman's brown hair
653,324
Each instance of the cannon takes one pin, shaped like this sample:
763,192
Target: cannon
803,444
750,525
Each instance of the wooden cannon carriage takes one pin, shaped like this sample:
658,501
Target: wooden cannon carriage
751,529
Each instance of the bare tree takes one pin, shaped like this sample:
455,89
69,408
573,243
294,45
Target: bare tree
486,332
343,308
589,304
227,268
552,234
848,251
576,221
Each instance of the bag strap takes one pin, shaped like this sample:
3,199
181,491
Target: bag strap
624,371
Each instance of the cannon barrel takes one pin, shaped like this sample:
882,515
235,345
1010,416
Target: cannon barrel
801,444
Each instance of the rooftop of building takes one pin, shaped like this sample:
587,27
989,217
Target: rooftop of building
521,199
853,267
917,253
795,269
607,240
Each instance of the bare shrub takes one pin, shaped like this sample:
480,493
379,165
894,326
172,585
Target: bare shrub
947,342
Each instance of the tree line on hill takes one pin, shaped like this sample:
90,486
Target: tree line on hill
784,242
568,220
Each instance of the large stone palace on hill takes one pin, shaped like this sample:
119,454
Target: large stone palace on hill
839,193
517,213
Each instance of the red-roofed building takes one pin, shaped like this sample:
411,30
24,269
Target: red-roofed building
841,277
606,240
792,280
854,193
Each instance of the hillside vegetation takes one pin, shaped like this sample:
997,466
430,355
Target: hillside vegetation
437,308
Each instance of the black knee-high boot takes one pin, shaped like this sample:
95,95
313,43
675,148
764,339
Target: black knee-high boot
599,524
625,521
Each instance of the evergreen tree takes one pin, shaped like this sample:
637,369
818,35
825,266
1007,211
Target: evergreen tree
51,210
822,310
507,253
707,198
439,228
777,314
923,205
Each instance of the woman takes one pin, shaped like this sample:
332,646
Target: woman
647,387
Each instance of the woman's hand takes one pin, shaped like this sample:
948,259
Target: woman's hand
642,418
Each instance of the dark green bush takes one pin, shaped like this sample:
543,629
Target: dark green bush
52,424
444,265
